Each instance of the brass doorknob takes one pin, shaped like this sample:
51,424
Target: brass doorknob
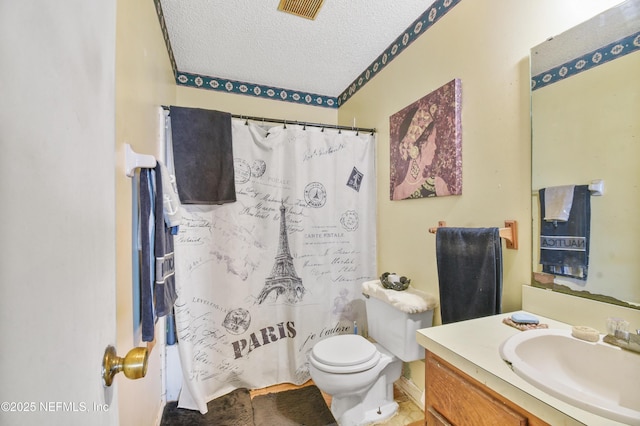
134,364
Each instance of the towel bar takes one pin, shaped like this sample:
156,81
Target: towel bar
596,187
509,232
134,161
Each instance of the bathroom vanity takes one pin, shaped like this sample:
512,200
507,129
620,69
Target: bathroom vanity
453,397
467,382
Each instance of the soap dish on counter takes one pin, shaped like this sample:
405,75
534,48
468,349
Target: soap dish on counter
523,322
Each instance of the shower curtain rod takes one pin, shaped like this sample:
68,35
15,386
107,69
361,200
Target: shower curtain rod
304,123
300,123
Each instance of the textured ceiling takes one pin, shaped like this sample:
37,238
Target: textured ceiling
250,41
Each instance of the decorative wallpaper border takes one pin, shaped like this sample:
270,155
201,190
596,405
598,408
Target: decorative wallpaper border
242,88
165,35
437,10
585,62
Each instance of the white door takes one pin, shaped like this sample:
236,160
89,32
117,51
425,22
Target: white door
57,211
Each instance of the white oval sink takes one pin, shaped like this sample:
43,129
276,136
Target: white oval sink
597,377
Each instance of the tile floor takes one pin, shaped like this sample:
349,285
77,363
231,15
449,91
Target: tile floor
409,414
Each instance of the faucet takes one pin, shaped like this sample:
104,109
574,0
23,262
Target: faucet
624,340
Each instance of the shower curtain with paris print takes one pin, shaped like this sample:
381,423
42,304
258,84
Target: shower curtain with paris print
263,279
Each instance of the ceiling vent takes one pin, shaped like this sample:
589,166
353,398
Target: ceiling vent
303,8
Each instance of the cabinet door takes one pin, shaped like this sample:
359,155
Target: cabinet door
434,418
461,402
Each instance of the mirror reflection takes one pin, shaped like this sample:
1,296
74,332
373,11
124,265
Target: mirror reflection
585,101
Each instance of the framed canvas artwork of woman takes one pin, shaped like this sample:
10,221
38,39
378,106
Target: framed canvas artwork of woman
426,146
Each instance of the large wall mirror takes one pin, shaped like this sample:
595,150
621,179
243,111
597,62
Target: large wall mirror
585,101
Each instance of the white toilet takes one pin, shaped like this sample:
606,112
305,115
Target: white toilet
359,374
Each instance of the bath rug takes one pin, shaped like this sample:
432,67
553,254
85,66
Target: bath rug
303,406
232,409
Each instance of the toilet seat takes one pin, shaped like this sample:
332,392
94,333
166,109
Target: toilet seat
347,353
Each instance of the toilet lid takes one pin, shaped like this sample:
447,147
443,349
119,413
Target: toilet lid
344,350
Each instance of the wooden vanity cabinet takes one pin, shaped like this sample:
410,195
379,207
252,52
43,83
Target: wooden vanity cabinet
454,398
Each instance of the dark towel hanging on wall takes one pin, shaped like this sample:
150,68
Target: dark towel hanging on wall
157,268
469,272
564,246
203,155
165,282
147,265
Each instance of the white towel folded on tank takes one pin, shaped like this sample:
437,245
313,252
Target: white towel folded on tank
410,300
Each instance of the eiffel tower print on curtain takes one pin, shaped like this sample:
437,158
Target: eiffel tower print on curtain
283,279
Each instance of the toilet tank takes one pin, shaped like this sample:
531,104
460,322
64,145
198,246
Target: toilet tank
395,329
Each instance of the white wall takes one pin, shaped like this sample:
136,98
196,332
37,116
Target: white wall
57,225
144,82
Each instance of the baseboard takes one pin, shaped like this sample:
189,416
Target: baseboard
158,421
411,390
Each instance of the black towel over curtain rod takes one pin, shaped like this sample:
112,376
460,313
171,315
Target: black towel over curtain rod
300,123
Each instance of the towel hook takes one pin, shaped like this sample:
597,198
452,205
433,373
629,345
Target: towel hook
134,161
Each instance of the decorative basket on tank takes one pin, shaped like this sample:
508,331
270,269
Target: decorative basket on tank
392,281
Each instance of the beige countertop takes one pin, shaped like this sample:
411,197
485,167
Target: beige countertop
473,347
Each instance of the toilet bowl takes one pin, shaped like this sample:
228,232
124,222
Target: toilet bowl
359,374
